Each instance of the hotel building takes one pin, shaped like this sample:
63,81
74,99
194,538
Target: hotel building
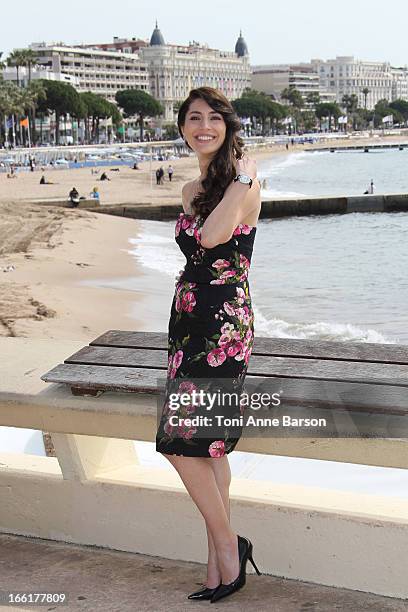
175,69
274,78
96,70
346,75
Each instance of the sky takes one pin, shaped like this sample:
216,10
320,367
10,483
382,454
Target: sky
275,32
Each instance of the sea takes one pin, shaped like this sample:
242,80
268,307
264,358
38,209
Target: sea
329,277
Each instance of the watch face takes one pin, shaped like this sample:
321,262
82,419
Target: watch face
244,179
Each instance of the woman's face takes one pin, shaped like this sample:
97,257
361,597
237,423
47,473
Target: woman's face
204,129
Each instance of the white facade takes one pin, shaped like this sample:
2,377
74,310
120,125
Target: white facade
37,72
101,72
347,75
175,70
399,83
272,79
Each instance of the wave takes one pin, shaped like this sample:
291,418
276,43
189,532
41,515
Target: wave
155,249
321,330
274,193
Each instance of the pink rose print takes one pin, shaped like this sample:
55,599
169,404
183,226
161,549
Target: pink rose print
230,310
177,359
220,264
242,228
175,362
186,432
240,295
188,302
243,261
217,448
216,357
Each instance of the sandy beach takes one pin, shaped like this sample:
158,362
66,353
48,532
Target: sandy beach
126,186
46,252
41,272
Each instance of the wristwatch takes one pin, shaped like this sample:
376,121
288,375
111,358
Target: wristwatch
244,178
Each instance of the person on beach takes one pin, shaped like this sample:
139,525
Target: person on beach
43,181
74,197
170,172
211,326
104,177
370,189
94,193
158,177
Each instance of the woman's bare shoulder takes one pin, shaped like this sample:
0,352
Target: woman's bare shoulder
187,195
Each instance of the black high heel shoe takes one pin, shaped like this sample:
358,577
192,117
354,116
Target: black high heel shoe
244,553
205,593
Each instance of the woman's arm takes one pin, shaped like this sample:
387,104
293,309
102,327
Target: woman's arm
238,201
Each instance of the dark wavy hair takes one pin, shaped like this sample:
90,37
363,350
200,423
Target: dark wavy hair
222,168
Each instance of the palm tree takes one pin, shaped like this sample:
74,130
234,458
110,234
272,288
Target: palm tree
36,94
10,102
29,57
17,59
365,92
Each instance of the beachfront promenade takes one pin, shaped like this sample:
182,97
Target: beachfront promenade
94,493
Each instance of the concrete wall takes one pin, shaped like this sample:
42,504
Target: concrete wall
322,205
95,491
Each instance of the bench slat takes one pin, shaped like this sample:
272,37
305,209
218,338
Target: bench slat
296,367
381,399
278,347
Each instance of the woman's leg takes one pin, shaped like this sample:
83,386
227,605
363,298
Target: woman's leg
199,479
222,474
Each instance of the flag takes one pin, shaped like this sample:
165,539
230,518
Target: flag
9,123
24,122
342,119
388,119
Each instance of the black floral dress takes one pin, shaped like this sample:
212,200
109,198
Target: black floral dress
210,336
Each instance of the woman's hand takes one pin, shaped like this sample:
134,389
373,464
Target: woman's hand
247,166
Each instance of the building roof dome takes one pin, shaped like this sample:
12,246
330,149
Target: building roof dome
157,37
241,48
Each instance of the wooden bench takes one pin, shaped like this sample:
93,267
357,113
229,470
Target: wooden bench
372,378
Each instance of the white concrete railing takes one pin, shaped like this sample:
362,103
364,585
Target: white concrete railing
95,492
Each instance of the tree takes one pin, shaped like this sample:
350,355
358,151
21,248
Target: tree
313,98
16,59
327,109
10,101
35,93
365,93
62,99
257,104
140,103
401,106
96,107
29,58
293,96
384,108
350,103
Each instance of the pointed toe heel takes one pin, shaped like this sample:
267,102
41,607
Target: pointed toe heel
244,553
203,594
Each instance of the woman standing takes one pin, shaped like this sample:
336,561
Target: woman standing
211,323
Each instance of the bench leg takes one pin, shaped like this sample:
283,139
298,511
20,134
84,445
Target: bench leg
87,457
